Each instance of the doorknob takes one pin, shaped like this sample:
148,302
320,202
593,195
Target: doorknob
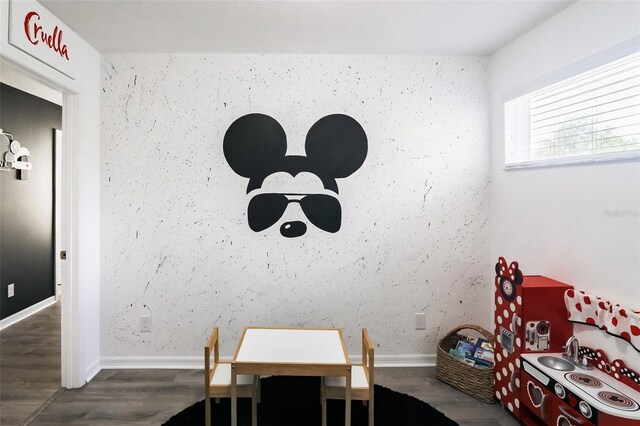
63,255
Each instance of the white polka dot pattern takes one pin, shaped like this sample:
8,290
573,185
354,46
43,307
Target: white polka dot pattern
614,318
507,316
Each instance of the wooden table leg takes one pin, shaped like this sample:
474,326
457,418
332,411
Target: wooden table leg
347,400
323,401
234,396
254,401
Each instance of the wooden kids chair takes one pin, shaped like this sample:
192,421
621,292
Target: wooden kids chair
217,380
361,381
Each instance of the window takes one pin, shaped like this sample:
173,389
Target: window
592,116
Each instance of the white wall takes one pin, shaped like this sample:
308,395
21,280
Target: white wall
553,220
175,240
81,167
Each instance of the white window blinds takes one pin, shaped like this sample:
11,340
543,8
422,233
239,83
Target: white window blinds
592,116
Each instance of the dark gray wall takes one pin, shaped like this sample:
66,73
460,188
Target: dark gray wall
26,206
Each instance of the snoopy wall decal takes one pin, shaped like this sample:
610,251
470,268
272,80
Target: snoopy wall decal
255,147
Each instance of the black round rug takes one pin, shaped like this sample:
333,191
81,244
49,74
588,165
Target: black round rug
295,401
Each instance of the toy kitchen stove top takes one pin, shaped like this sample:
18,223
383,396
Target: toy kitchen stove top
587,395
602,391
585,380
617,400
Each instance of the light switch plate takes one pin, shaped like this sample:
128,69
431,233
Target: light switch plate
11,291
145,323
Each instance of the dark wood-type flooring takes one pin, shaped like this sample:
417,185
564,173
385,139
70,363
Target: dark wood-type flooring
149,397
29,365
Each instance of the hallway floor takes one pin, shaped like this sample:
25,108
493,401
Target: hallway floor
29,365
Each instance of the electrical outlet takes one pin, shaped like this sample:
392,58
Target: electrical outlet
11,291
421,321
145,323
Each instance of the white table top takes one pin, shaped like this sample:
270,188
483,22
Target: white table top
284,345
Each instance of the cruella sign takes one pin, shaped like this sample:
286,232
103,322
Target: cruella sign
255,147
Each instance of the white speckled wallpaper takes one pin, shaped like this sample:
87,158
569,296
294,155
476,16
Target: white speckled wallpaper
175,238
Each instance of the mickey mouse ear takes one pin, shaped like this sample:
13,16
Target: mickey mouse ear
336,145
253,144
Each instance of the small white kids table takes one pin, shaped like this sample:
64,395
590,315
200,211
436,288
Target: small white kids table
291,352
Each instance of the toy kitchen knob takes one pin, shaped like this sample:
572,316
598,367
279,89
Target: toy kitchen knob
559,390
585,409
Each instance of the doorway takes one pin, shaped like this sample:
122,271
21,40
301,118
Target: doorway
30,335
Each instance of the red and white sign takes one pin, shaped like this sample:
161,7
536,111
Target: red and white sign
37,32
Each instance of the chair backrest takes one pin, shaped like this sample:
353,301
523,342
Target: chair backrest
213,345
368,359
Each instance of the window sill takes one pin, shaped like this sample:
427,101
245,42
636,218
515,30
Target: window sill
573,161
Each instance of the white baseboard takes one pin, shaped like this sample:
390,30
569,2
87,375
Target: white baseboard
412,360
19,316
196,362
92,370
177,362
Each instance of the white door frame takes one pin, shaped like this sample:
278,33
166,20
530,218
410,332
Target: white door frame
72,374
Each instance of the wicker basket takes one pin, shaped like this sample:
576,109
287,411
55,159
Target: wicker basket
475,381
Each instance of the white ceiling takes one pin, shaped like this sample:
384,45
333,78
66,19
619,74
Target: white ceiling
477,27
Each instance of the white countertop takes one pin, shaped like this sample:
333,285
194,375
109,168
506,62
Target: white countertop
608,381
283,345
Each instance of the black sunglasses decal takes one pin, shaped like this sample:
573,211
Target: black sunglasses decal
255,147
323,211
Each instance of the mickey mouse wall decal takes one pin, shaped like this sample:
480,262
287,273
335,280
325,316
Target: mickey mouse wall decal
255,147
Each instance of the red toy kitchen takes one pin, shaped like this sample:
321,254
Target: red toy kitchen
542,374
